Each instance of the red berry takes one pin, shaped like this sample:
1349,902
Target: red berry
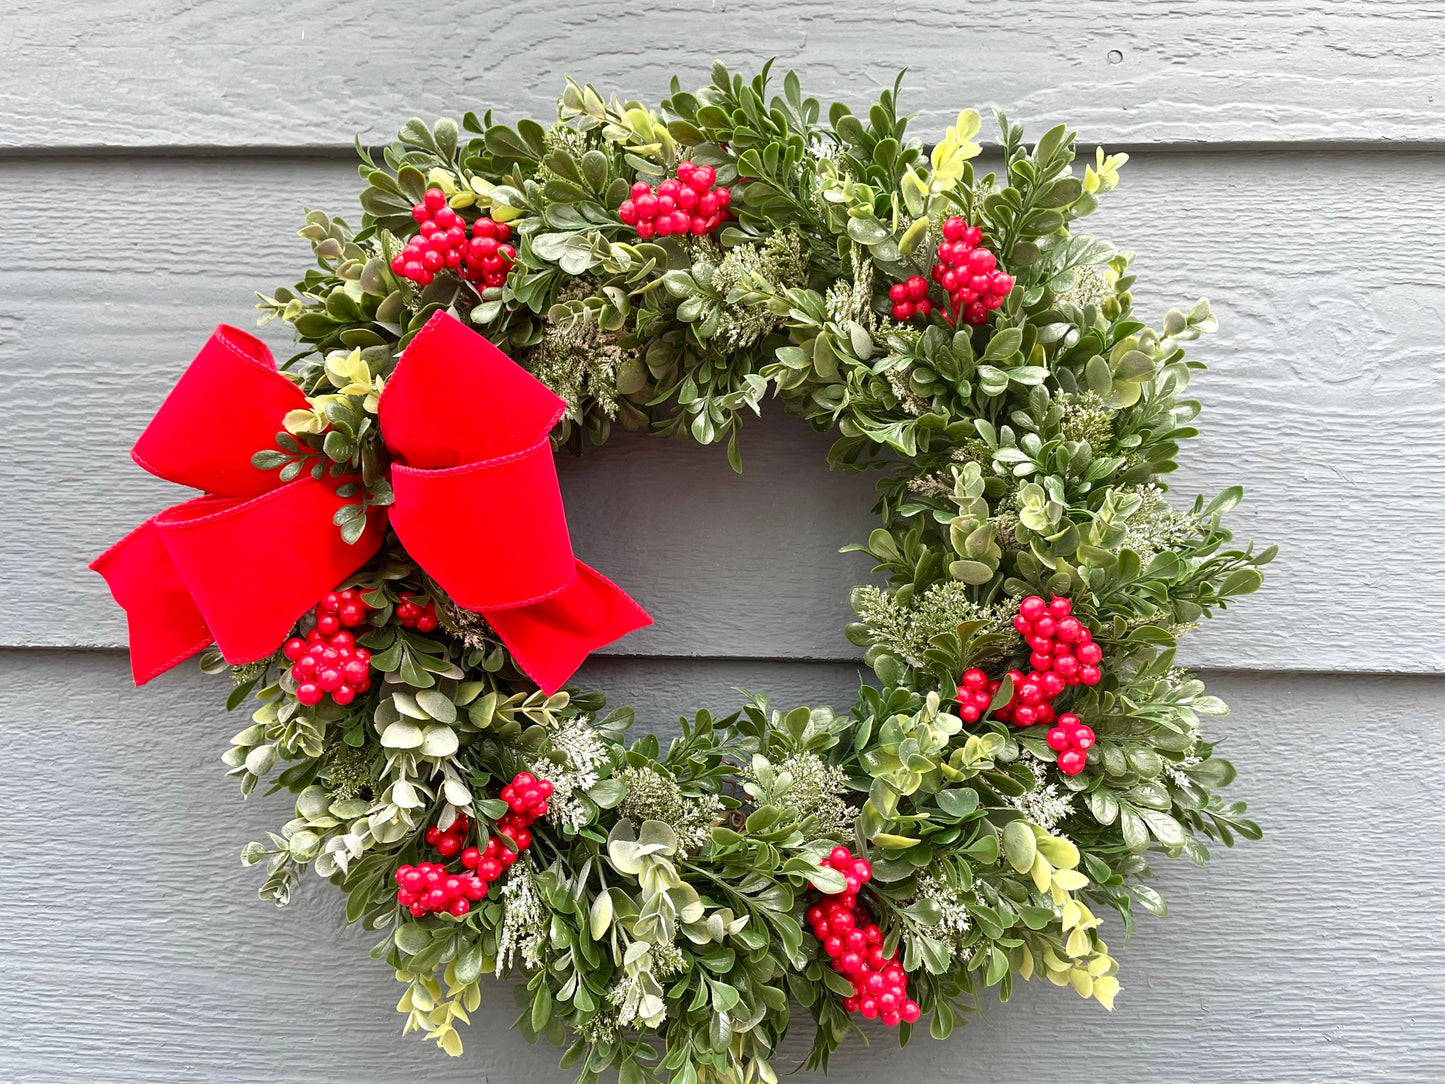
1058,739
1090,654
917,288
309,693
294,648
1090,675
1071,761
435,199
343,694
1082,738
1032,608
953,229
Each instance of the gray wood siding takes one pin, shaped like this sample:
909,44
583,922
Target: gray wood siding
154,161
235,73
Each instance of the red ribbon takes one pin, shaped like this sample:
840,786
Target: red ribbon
477,506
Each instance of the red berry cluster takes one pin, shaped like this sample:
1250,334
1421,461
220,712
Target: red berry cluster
328,660
910,298
428,887
1062,653
526,797
1072,740
442,243
855,945
423,618
969,273
1059,642
449,840
687,203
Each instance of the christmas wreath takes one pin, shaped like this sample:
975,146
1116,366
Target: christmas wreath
382,563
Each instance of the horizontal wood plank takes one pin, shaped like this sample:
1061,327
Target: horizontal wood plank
136,951
1324,399
110,73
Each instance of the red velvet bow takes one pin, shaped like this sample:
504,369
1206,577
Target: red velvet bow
477,506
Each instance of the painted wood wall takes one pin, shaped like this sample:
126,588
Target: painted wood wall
1287,160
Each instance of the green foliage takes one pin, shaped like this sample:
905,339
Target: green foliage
656,924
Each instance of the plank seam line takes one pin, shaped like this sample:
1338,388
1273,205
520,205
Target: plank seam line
808,660
345,151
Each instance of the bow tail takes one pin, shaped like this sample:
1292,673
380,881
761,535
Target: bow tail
550,639
164,625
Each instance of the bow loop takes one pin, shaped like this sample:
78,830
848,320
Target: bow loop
454,399
227,406
493,534
478,505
